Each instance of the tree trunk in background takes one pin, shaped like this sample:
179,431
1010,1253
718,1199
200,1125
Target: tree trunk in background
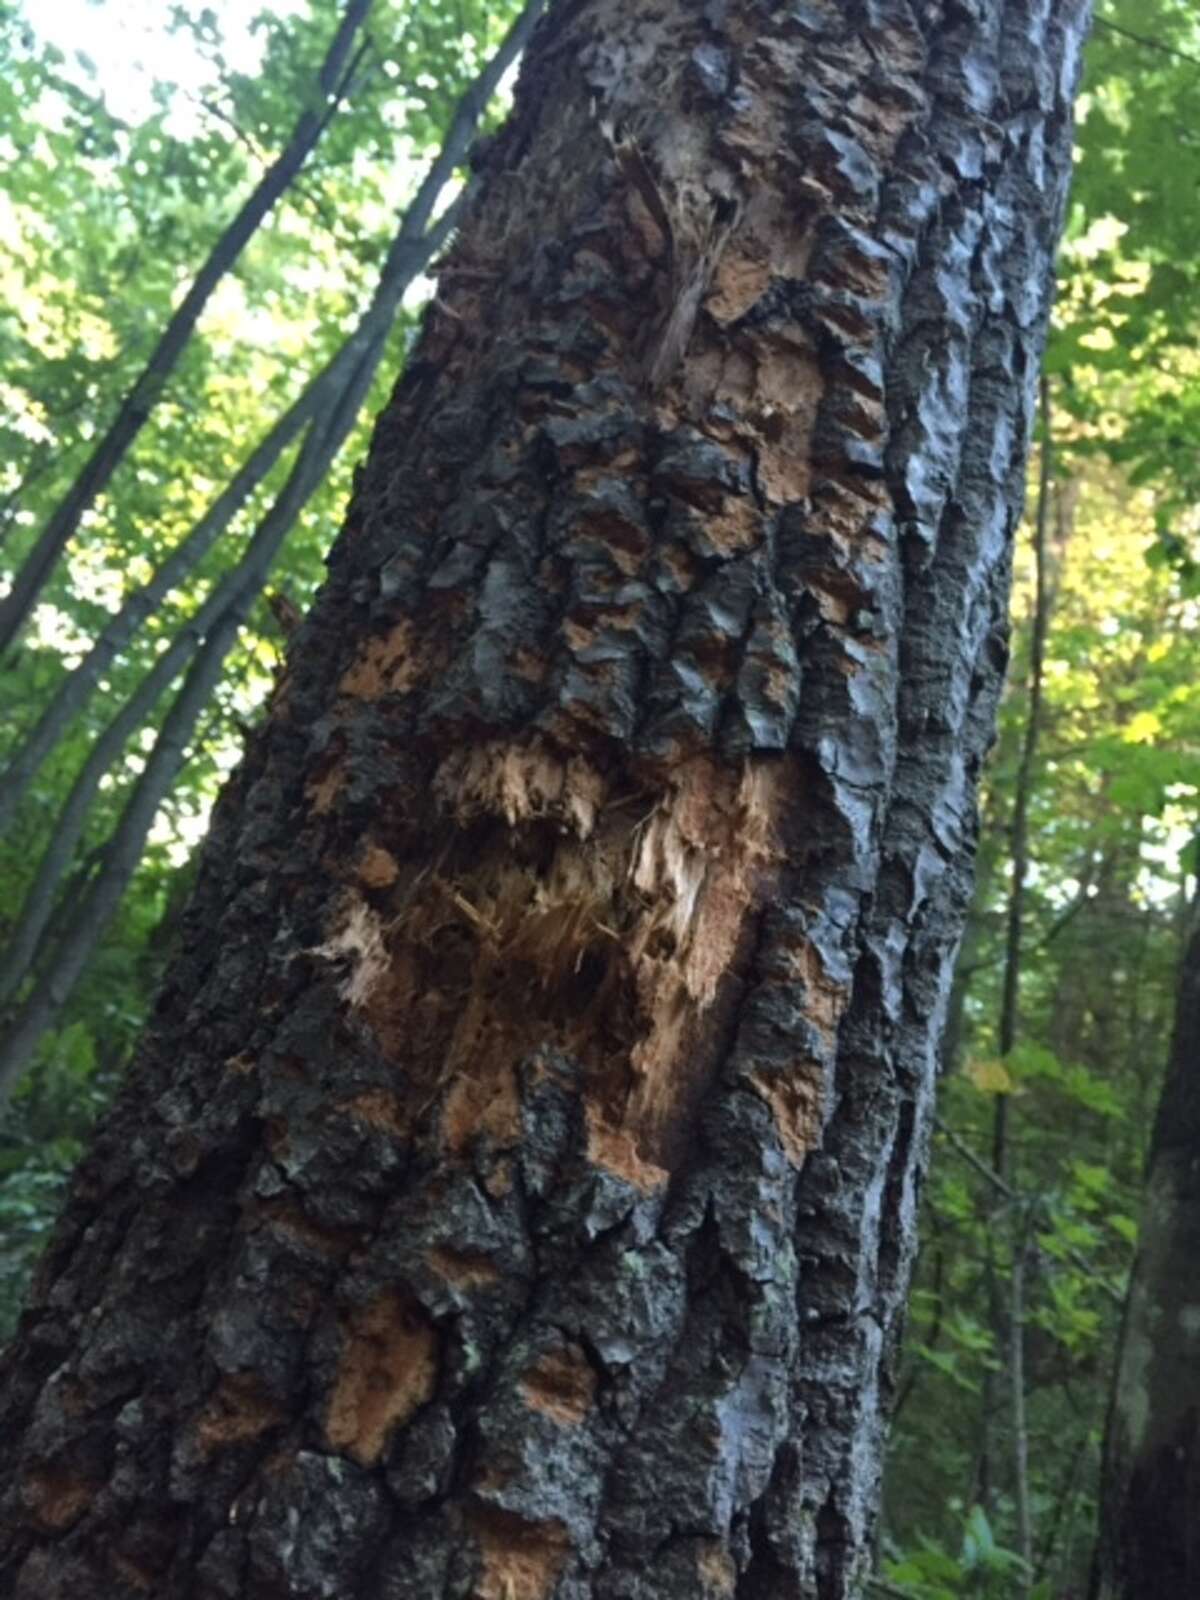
1149,1544
514,1194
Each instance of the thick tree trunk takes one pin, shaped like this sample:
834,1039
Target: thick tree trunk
514,1195
1149,1544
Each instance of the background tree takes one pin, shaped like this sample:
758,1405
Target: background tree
1148,1543
515,1192
1112,817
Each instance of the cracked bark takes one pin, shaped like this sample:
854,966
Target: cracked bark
514,1195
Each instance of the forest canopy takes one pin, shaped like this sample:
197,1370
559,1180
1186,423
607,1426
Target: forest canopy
134,142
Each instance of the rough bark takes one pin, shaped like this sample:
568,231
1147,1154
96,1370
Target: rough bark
514,1196
1149,1539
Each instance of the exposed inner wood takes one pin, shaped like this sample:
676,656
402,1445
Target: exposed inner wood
387,1369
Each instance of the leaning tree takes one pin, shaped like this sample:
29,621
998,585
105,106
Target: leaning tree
514,1194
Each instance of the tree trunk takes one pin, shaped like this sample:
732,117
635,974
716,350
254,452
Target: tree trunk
514,1195
1149,1544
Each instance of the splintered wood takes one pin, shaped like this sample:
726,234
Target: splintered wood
603,919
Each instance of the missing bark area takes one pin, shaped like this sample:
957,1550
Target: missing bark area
566,911
561,1384
359,943
323,790
377,868
522,784
519,1560
486,1104
701,862
129,1571
387,1370
797,1102
239,1410
615,1150
378,1108
825,998
315,1236
798,1092
463,1269
388,665
57,1496
715,1569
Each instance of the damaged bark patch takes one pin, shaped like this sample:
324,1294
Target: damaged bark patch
797,1102
519,1560
715,1570
614,1149
824,998
463,1269
391,665
137,1577
797,1087
522,783
702,863
289,1219
359,941
323,789
568,911
56,1497
388,1369
239,1410
561,1384
482,1103
377,868
378,1109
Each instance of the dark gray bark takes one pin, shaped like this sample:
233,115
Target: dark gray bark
1149,1532
514,1196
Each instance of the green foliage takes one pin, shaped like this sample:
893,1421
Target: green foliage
982,1569
1112,808
116,184
1124,338
1112,804
111,201
40,1143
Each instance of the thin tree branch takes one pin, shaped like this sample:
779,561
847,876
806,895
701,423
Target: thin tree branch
311,465
67,963
978,1165
1145,41
76,688
1020,1423
140,401
413,244
1019,833
41,458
